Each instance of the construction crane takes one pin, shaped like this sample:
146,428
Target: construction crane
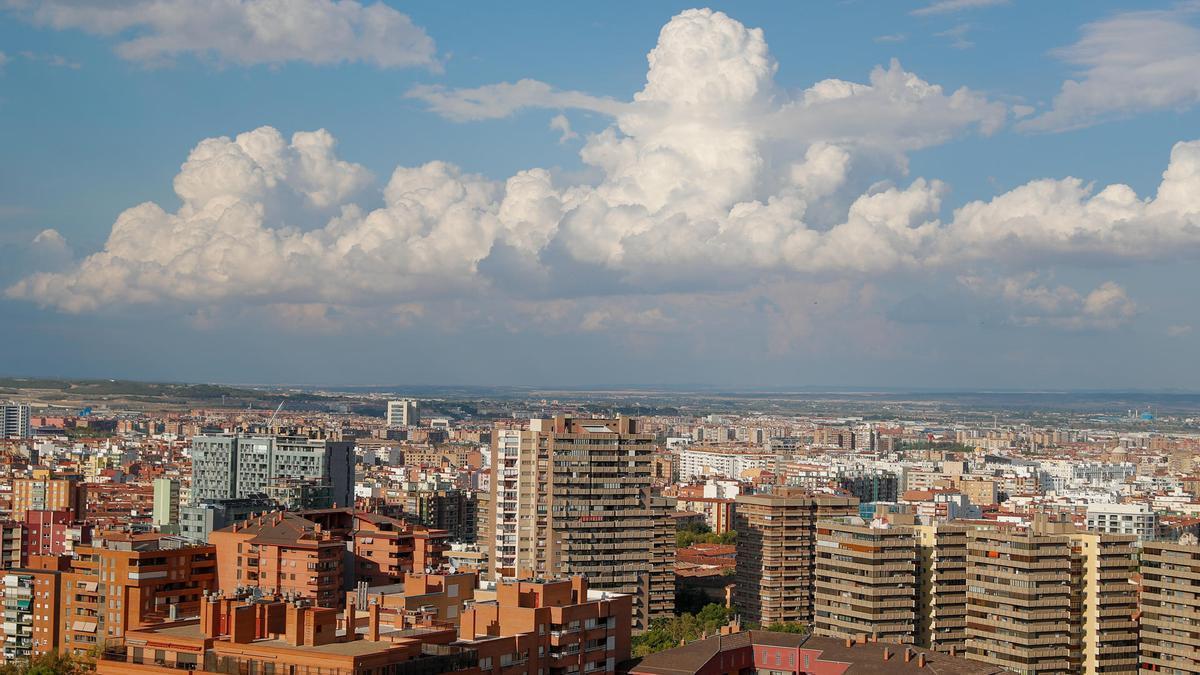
271,421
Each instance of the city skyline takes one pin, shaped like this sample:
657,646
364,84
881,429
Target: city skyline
961,194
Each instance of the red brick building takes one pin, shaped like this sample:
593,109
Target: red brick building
52,533
281,553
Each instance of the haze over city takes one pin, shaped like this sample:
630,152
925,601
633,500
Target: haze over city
964,193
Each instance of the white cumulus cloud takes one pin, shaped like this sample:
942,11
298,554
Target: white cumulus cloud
245,32
709,178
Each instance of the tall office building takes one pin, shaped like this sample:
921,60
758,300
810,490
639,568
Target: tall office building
866,578
1051,599
14,420
1170,608
776,544
166,502
403,413
573,496
239,466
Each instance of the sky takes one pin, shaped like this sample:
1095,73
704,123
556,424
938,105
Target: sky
970,194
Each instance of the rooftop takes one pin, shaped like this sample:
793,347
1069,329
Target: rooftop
863,659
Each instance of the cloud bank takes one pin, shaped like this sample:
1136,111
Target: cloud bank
712,178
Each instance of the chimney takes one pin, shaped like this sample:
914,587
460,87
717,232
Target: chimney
887,653
210,616
351,634
373,622
921,660
849,642
953,650
907,654
241,624
294,627
874,638
862,639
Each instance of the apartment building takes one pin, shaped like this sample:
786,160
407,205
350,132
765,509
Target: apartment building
203,517
573,496
528,629
1170,606
12,540
865,578
52,533
14,420
31,613
166,502
1019,600
126,581
241,634
384,548
313,554
281,553
452,510
942,595
232,466
47,493
730,462
1140,520
776,555
1051,599
560,626
513,497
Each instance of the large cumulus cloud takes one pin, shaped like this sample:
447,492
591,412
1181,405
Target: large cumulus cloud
712,176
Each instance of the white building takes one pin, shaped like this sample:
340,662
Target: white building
695,462
14,420
403,413
1137,519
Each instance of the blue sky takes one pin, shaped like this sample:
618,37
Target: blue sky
736,223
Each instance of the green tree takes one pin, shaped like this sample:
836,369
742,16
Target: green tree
666,633
702,534
786,627
53,663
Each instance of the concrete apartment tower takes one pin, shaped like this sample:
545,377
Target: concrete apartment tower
776,544
232,466
403,413
1052,599
1170,638
942,595
14,420
866,578
573,496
